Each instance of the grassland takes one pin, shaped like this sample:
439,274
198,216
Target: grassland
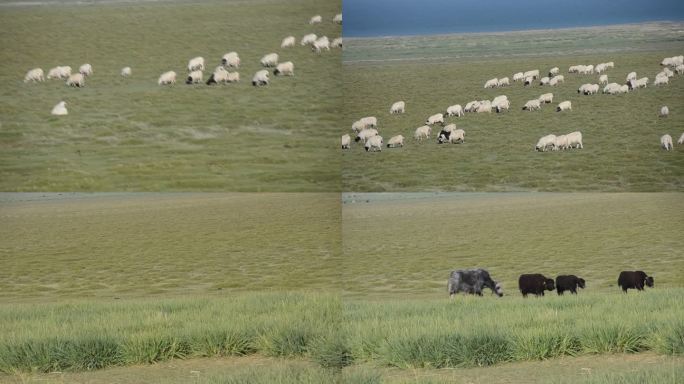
132,135
621,133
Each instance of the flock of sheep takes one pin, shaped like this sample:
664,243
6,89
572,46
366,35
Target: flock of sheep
366,128
222,74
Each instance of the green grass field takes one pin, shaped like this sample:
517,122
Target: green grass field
620,132
133,135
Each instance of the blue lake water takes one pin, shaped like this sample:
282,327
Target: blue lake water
366,18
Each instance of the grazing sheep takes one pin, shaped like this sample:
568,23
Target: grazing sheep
681,139
546,98
196,63
659,80
600,68
397,107
194,77
554,71
59,109
260,78
561,142
309,39
485,107
664,111
126,71
336,43
631,76
222,76
346,141
504,81
589,89
491,83
365,134
574,140
85,69
498,99
603,79
501,103
668,72
679,69
231,60
337,19
76,80
564,106
455,110
518,76
315,19
610,64
534,74
288,42
532,105
545,142
363,123
396,141
544,81
434,119
449,128
60,72
285,69
472,106
422,132
374,143
666,142
320,44
269,60
528,81
454,136
589,69
167,78
35,74
554,80
611,88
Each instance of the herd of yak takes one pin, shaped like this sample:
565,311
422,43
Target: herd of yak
473,281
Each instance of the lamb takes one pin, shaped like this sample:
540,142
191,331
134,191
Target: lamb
396,141
196,63
337,19
603,79
315,19
288,42
492,83
194,77
422,132
532,105
321,43
503,82
664,111
397,107
454,110
85,69
374,143
232,59
260,78
35,74
434,119
518,76
126,71
336,43
76,80
269,60
365,134
167,78
546,98
346,141
59,109
308,39
60,72
564,106
545,142
666,142
574,140
284,69
553,71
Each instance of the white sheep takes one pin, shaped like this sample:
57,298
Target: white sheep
59,109
284,69
631,76
288,42
76,80
320,44
574,140
532,105
640,83
561,142
589,89
503,105
611,88
369,121
434,119
659,80
518,76
600,68
504,81
231,60
269,60
603,79
315,19
610,64
260,78
396,141
374,143
668,72
491,83
194,77
666,142
681,139
456,136
222,76
664,111
336,43
337,19
534,74
564,106
126,71
485,107
544,142
546,98
59,72
309,39
471,106
35,74
554,71
196,63
554,80
422,132
679,69
397,107
499,99
454,110
167,78
528,81
85,69
346,141
365,134
544,81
